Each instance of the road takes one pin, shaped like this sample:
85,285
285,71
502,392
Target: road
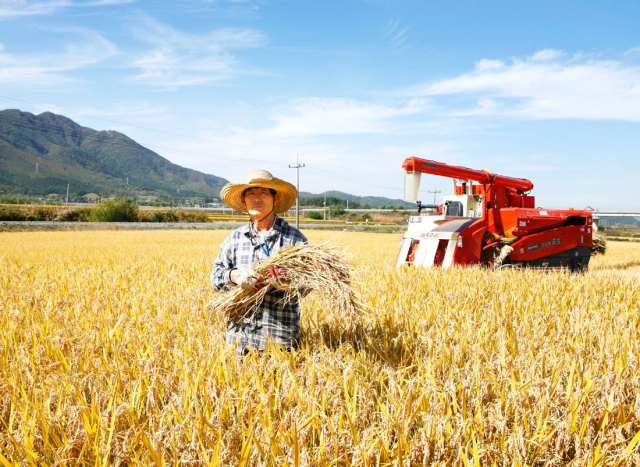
54,225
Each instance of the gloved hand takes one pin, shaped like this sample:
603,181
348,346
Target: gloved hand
248,279
277,273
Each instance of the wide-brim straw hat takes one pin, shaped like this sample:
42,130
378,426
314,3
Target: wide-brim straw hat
232,193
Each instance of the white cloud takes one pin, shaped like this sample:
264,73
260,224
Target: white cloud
548,85
14,8
546,55
11,8
356,167
103,2
130,109
369,165
88,48
133,108
485,64
178,58
324,116
396,36
227,7
395,33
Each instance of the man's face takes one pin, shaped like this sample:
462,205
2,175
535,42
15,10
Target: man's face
259,202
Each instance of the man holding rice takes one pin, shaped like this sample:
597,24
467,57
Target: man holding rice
274,320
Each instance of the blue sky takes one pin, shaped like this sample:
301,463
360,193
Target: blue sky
544,90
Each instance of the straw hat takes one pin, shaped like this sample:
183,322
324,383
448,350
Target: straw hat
231,193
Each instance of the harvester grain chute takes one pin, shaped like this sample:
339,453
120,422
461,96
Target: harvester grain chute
491,220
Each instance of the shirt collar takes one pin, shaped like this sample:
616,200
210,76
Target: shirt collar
275,228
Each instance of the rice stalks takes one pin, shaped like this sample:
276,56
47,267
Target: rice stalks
599,244
321,268
501,255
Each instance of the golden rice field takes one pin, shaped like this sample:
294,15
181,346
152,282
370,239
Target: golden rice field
109,357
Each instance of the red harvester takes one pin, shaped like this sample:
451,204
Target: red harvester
491,220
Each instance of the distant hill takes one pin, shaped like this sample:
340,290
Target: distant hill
373,201
98,162
107,163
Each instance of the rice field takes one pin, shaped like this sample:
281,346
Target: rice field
109,356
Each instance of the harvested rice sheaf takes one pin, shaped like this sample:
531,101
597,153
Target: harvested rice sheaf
599,244
321,268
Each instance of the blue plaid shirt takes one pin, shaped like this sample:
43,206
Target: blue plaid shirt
273,319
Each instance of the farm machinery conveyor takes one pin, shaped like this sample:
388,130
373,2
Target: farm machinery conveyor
491,220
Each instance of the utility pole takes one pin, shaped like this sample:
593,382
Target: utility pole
297,167
67,202
325,207
36,167
435,191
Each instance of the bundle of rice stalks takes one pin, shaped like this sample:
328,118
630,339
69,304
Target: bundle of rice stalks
599,244
321,268
502,252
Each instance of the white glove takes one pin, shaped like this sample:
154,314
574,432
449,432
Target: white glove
247,279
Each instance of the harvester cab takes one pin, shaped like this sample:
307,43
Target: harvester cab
490,219
465,204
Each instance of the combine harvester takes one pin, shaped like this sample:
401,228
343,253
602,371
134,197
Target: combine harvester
491,220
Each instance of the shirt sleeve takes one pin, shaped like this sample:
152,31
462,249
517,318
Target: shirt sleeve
302,240
222,266
297,237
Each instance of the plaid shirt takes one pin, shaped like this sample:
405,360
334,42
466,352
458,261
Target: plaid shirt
273,319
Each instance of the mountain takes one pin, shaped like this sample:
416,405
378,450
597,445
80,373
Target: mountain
107,163
373,201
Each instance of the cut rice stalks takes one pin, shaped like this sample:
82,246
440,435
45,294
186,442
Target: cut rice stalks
321,268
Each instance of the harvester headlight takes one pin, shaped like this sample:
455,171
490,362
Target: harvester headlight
459,242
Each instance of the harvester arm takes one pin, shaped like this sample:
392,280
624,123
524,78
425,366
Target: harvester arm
414,164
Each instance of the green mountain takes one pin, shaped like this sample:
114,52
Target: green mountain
332,196
107,163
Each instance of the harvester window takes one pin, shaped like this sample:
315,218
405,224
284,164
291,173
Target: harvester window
575,220
453,208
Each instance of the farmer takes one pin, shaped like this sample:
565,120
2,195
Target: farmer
262,196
